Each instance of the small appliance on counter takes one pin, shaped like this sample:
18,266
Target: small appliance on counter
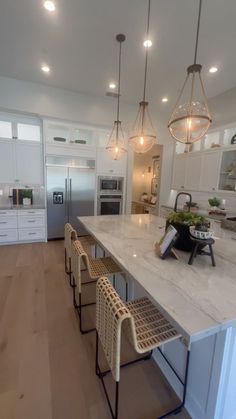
22,196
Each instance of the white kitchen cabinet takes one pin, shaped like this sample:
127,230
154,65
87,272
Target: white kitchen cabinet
193,172
29,165
26,225
210,171
179,171
7,162
107,166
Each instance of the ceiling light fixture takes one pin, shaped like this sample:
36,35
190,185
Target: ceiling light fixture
213,70
116,143
49,5
143,135
147,43
164,99
112,85
45,69
191,118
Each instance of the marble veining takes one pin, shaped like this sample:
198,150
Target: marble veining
199,299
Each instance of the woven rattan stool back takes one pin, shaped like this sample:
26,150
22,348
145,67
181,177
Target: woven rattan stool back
79,259
110,314
70,234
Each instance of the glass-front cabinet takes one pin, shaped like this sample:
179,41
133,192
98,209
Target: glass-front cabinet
227,178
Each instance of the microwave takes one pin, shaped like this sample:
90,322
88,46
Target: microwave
110,184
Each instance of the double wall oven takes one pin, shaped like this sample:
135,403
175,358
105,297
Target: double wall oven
110,195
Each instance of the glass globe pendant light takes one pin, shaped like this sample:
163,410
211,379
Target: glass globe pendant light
116,143
191,118
143,135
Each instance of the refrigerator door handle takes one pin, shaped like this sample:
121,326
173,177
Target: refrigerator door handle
66,199
70,198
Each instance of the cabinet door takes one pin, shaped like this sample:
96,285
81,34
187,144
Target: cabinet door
7,167
193,172
179,170
29,164
106,165
210,171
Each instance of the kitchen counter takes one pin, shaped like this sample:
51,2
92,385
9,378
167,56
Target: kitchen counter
199,299
21,207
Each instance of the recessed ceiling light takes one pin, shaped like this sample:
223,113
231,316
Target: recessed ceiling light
213,70
147,43
45,69
49,5
164,99
112,85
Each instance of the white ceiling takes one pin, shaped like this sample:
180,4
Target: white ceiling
78,43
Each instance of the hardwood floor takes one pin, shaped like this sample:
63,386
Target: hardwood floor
46,366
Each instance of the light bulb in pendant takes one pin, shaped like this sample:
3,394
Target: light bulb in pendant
189,123
141,140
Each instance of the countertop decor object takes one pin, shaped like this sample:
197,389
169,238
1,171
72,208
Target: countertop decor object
199,245
201,235
182,221
233,139
143,135
191,119
116,143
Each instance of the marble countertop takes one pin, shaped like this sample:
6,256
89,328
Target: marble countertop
199,300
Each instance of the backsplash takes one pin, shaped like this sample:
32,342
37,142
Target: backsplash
6,191
202,199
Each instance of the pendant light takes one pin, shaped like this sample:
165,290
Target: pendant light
191,118
143,134
116,143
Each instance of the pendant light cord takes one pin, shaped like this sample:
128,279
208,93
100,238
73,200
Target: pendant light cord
198,27
118,101
146,58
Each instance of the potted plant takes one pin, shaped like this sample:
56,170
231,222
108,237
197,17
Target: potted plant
26,196
181,221
214,203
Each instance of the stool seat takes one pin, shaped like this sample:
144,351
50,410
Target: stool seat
87,242
102,266
151,327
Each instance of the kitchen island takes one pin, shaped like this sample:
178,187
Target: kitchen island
199,300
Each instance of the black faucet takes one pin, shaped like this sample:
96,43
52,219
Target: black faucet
188,203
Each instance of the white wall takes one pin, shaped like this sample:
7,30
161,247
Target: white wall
27,97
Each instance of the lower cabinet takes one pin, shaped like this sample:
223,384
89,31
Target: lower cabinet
22,226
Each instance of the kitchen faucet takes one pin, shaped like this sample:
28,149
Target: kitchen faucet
188,203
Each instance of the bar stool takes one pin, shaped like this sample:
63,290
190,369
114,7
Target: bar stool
71,235
96,268
145,326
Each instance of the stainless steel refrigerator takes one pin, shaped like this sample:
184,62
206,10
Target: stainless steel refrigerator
70,193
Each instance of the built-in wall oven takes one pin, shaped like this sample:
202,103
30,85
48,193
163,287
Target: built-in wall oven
110,195
110,204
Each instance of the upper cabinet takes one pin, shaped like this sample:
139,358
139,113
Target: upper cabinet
179,172
209,164
21,150
210,170
107,166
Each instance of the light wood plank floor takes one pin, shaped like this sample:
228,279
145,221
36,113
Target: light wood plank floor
46,366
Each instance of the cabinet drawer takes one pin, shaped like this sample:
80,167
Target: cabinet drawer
8,236
31,212
33,221
8,221
7,212
31,234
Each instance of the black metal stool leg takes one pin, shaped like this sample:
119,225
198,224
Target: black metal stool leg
180,407
212,255
193,254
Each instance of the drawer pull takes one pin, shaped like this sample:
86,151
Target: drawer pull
3,212
3,235
3,222
30,212
31,221
32,234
